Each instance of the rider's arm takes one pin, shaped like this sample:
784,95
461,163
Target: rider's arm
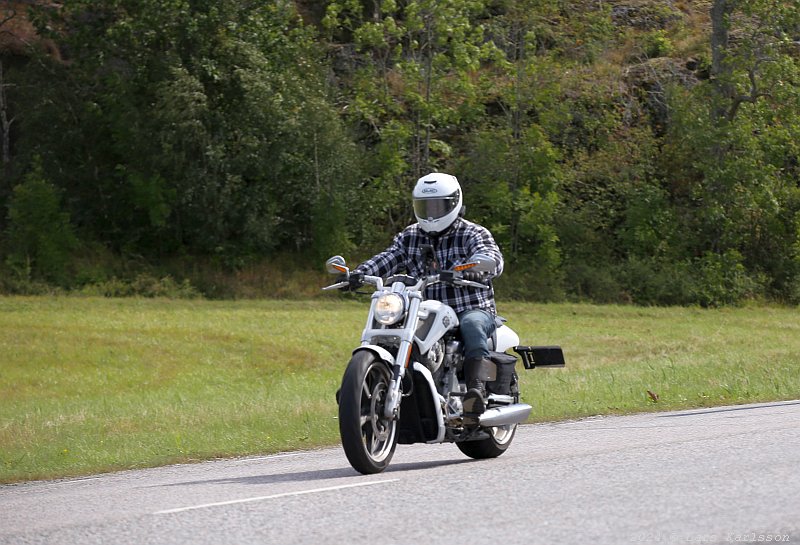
482,242
388,262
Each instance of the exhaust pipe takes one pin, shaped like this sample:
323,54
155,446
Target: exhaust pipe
503,416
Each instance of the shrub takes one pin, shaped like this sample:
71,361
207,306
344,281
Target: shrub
39,238
654,281
657,44
723,280
143,285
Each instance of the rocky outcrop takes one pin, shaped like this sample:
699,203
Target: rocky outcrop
649,81
18,36
646,16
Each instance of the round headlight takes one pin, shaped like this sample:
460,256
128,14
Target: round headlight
389,309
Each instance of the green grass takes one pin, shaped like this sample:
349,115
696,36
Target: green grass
686,357
92,384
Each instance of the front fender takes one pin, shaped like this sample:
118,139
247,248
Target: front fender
379,352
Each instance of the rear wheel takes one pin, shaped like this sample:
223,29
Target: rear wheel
368,437
493,446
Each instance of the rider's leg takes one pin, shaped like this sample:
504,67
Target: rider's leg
476,327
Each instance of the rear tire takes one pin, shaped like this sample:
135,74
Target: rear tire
368,437
493,446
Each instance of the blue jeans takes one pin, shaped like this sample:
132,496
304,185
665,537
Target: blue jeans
477,325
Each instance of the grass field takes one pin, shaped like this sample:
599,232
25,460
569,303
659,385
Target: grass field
92,384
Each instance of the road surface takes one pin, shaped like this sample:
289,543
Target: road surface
723,475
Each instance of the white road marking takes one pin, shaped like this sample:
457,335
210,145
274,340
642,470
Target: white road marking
267,457
272,497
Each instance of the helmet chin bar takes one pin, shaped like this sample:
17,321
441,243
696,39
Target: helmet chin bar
438,232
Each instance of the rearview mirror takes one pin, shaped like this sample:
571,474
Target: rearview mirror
336,265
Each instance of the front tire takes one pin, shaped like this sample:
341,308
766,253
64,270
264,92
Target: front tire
368,437
493,446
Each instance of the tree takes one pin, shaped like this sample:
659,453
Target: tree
5,124
738,71
731,149
189,126
39,238
6,120
409,82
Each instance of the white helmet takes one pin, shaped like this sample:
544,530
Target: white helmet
437,202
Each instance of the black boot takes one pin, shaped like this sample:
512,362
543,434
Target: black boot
474,401
476,372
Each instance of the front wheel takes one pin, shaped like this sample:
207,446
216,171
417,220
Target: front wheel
493,446
368,437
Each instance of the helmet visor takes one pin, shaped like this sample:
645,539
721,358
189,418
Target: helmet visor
435,208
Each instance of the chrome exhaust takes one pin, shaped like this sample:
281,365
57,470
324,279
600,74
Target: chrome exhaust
503,416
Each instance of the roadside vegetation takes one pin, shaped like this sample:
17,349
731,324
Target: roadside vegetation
93,384
620,151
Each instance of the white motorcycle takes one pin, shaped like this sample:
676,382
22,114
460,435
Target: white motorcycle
411,355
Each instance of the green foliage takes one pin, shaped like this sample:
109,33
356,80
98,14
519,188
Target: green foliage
712,280
411,90
510,187
734,181
143,285
608,164
655,281
39,237
208,127
657,44
723,280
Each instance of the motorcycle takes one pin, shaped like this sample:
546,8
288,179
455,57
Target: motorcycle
411,356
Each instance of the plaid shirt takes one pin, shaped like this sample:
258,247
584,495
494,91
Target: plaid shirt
463,240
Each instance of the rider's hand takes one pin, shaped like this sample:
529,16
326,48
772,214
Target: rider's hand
354,280
474,276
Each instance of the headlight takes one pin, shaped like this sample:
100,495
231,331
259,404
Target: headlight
389,309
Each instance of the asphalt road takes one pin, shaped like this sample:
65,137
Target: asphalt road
725,475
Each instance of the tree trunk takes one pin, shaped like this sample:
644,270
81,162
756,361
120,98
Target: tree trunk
5,126
720,68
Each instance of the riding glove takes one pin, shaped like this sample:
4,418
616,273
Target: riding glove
474,276
354,280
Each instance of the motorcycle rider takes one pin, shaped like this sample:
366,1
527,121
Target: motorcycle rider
438,207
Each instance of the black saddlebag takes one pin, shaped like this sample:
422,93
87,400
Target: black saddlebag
505,373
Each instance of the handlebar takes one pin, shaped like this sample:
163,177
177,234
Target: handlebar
446,276
451,278
376,281
336,286
472,284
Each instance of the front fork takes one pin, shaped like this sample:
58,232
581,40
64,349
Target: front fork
392,407
399,363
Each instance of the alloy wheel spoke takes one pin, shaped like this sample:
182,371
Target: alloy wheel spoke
366,391
376,431
376,444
